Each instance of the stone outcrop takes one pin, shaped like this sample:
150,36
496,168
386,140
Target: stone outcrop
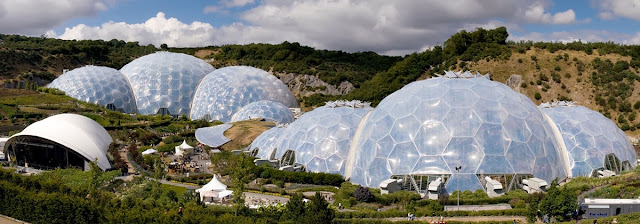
306,85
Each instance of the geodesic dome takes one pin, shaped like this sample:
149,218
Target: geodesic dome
165,80
592,141
429,127
98,85
225,91
320,139
269,110
263,146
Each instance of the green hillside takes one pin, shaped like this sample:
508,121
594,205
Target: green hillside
602,76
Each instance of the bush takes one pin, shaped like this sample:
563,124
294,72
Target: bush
537,96
363,194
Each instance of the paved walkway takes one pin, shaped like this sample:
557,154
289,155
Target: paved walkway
520,219
176,184
9,220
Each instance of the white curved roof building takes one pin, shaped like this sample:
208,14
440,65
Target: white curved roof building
264,109
60,141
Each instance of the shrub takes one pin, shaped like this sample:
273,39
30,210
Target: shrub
537,96
363,194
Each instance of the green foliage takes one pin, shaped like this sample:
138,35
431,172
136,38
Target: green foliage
537,96
559,202
319,211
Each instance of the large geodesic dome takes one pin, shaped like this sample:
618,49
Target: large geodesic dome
263,146
265,109
98,85
592,141
225,91
165,80
430,127
320,139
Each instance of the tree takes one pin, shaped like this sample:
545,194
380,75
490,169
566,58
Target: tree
164,46
363,194
239,169
319,211
559,202
294,210
537,96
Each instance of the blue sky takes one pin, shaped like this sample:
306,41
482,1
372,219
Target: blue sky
387,27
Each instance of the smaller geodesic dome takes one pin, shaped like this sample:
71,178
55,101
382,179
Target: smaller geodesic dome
165,80
264,109
592,141
225,91
98,85
320,139
263,147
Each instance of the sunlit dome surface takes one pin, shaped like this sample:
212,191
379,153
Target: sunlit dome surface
263,146
165,80
225,91
269,110
98,85
589,137
321,138
432,126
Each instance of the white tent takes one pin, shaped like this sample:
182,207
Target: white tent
149,151
183,148
214,189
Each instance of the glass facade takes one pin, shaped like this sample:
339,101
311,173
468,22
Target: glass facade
98,85
320,139
269,110
429,127
165,80
263,147
589,137
225,91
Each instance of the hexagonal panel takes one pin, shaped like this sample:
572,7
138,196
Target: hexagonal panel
404,129
431,165
520,158
432,138
432,110
491,139
462,122
460,98
465,152
403,157
516,129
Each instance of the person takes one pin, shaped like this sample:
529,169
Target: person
180,211
615,220
514,221
340,205
595,221
409,216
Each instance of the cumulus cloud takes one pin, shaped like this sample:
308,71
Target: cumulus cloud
387,27
35,17
535,13
610,9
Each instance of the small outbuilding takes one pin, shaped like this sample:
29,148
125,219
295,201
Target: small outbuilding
593,208
214,191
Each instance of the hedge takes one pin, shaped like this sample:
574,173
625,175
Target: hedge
374,221
398,213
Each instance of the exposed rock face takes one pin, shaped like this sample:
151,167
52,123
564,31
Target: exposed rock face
514,82
306,85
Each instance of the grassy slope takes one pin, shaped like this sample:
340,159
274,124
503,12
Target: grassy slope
583,91
244,132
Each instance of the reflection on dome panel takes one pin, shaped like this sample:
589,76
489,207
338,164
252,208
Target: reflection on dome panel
165,80
589,137
317,135
264,109
98,85
226,91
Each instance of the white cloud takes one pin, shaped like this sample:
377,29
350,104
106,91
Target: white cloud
388,27
535,13
156,30
212,9
35,17
237,3
610,9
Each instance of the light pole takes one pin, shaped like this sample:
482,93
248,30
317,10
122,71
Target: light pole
458,168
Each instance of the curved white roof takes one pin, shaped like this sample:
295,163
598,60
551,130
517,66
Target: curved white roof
77,132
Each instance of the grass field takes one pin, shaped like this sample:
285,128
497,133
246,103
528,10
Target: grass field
178,190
